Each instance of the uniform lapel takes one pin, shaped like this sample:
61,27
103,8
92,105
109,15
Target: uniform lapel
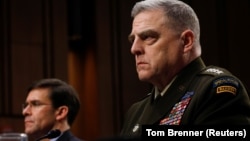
154,111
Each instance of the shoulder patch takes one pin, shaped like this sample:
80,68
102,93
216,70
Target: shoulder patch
226,85
225,81
226,89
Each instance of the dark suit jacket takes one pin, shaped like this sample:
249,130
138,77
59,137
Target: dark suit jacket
219,98
68,136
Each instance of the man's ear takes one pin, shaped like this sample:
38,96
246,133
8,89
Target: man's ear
187,38
62,112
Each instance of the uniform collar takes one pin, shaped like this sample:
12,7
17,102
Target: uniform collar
158,93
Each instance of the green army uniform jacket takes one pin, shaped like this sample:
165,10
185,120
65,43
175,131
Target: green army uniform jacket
200,95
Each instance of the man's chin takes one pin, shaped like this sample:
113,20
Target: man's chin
29,131
32,134
143,77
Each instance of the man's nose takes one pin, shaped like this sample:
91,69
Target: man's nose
136,47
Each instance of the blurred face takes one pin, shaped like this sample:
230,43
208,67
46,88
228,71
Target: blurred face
157,49
39,113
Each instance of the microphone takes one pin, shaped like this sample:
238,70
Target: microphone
51,134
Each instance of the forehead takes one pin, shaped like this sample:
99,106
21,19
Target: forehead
149,19
40,94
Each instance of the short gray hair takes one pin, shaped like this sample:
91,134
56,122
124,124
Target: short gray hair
180,16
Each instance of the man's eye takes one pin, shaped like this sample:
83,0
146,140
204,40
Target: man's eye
36,103
145,37
25,105
149,40
131,39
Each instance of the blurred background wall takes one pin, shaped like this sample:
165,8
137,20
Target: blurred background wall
85,43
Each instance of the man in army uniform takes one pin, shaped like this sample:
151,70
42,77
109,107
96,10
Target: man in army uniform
165,40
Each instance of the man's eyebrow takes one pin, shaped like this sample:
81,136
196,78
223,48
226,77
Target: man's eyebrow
32,101
35,100
149,32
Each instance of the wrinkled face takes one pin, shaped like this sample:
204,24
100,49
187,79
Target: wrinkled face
157,49
39,113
